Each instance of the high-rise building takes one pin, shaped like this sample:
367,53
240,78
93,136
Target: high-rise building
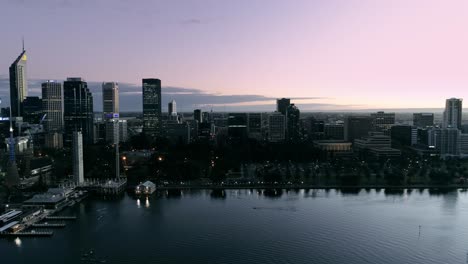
282,105
123,130
32,109
382,121
110,110
292,117
403,135
78,110
334,131
315,128
78,169
172,108
450,141
152,107
464,144
276,127
197,115
237,126
423,120
18,84
52,108
112,131
453,113
12,178
110,100
254,125
357,126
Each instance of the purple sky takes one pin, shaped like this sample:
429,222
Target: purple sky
348,54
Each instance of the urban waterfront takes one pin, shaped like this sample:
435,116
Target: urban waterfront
258,226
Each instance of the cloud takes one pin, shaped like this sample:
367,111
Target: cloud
191,21
187,98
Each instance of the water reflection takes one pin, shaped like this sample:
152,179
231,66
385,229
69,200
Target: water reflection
351,191
273,193
218,194
138,203
394,192
441,191
174,193
147,203
18,242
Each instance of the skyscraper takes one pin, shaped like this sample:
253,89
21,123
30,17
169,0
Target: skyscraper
382,120
276,127
356,127
110,100
423,120
292,118
282,105
254,125
78,170
52,108
32,109
78,110
110,109
172,108
197,115
18,84
453,113
152,107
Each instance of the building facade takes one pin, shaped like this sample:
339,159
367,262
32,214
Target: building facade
18,84
78,111
453,113
423,120
152,107
110,100
78,169
52,108
356,127
282,105
276,127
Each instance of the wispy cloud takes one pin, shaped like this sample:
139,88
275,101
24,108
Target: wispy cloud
191,21
187,98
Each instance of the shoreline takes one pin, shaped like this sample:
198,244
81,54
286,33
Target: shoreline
304,186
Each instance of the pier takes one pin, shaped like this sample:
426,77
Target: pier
109,187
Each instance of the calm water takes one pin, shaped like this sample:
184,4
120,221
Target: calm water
248,226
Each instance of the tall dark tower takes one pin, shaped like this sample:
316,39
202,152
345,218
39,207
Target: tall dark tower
292,117
282,105
12,178
18,83
152,107
197,115
78,110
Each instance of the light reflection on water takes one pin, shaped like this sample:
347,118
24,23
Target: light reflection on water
262,226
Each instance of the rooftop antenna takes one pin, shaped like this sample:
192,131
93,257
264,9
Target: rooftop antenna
23,43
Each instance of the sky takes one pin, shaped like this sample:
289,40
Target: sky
242,54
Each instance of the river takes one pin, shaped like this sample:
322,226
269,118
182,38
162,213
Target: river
257,226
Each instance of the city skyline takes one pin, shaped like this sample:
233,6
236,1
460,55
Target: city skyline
335,57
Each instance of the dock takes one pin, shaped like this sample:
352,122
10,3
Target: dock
27,234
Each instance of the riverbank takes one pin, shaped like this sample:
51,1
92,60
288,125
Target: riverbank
307,186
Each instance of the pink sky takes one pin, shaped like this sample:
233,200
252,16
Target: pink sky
361,53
